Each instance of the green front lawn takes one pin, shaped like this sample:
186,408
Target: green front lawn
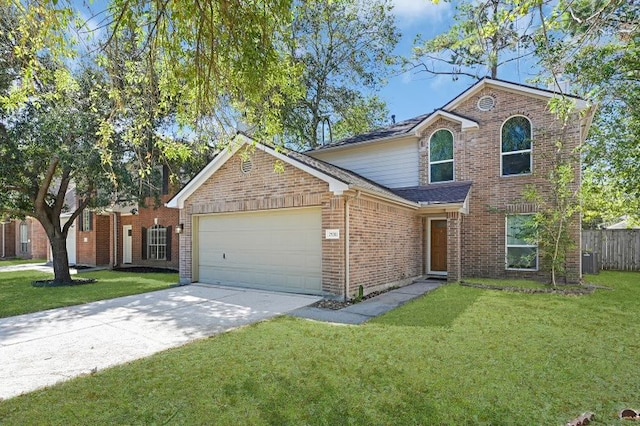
457,356
14,262
18,296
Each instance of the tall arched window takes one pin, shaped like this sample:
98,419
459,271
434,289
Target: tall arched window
441,156
516,146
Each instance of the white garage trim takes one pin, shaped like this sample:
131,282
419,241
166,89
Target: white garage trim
336,186
268,249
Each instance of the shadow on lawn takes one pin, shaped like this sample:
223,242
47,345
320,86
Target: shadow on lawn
444,306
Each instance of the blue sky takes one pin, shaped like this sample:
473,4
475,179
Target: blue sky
411,94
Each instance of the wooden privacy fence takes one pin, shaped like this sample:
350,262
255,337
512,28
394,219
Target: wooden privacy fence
618,249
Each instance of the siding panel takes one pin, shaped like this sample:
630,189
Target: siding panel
393,164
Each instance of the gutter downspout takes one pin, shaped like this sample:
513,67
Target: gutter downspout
347,263
4,243
346,248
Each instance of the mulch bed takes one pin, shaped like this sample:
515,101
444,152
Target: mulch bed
335,305
145,270
571,291
51,283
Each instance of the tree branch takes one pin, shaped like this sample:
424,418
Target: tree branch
45,184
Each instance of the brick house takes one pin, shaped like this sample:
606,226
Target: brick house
440,194
129,235
24,239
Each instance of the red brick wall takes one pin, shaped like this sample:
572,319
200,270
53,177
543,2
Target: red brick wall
385,244
145,218
477,158
102,234
39,240
94,247
9,240
333,251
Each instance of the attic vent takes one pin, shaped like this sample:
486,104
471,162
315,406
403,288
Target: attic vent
246,166
486,103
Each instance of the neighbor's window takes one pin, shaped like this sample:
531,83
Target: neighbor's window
157,238
86,224
441,156
522,250
516,146
24,238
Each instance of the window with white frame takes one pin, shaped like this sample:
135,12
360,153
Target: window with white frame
516,146
24,238
521,246
157,242
86,223
441,156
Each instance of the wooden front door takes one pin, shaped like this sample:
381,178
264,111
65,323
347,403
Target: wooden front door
438,246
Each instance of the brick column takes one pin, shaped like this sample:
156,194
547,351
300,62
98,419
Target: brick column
454,249
185,266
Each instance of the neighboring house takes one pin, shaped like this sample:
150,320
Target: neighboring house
625,222
440,195
127,236
8,236
23,239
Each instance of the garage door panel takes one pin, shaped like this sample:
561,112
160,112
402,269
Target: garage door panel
276,249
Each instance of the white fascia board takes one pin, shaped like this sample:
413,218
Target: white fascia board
580,104
177,202
395,199
462,207
336,186
465,123
445,207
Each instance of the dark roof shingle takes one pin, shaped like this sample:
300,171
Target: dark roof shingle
396,129
441,193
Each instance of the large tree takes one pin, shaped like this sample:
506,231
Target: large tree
599,52
101,133
50,150
345,52
486,35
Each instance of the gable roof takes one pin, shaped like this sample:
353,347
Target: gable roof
401,128
513,87
339,179
413,126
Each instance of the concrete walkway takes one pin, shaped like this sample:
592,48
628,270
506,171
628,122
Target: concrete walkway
41,349
40,267
370,308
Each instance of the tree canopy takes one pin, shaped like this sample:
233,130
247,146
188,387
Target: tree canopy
486,35
344,49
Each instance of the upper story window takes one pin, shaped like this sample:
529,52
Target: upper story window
86,223
157,238
516,146
441,156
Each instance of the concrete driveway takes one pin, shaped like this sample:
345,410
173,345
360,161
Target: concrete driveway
41,349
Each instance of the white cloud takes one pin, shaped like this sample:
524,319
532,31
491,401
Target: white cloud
410,11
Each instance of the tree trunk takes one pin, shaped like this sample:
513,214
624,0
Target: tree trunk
60,259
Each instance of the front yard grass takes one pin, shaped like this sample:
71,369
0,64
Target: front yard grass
15,262
457,356
18,296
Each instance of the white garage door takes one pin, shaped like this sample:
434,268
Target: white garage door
279,250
